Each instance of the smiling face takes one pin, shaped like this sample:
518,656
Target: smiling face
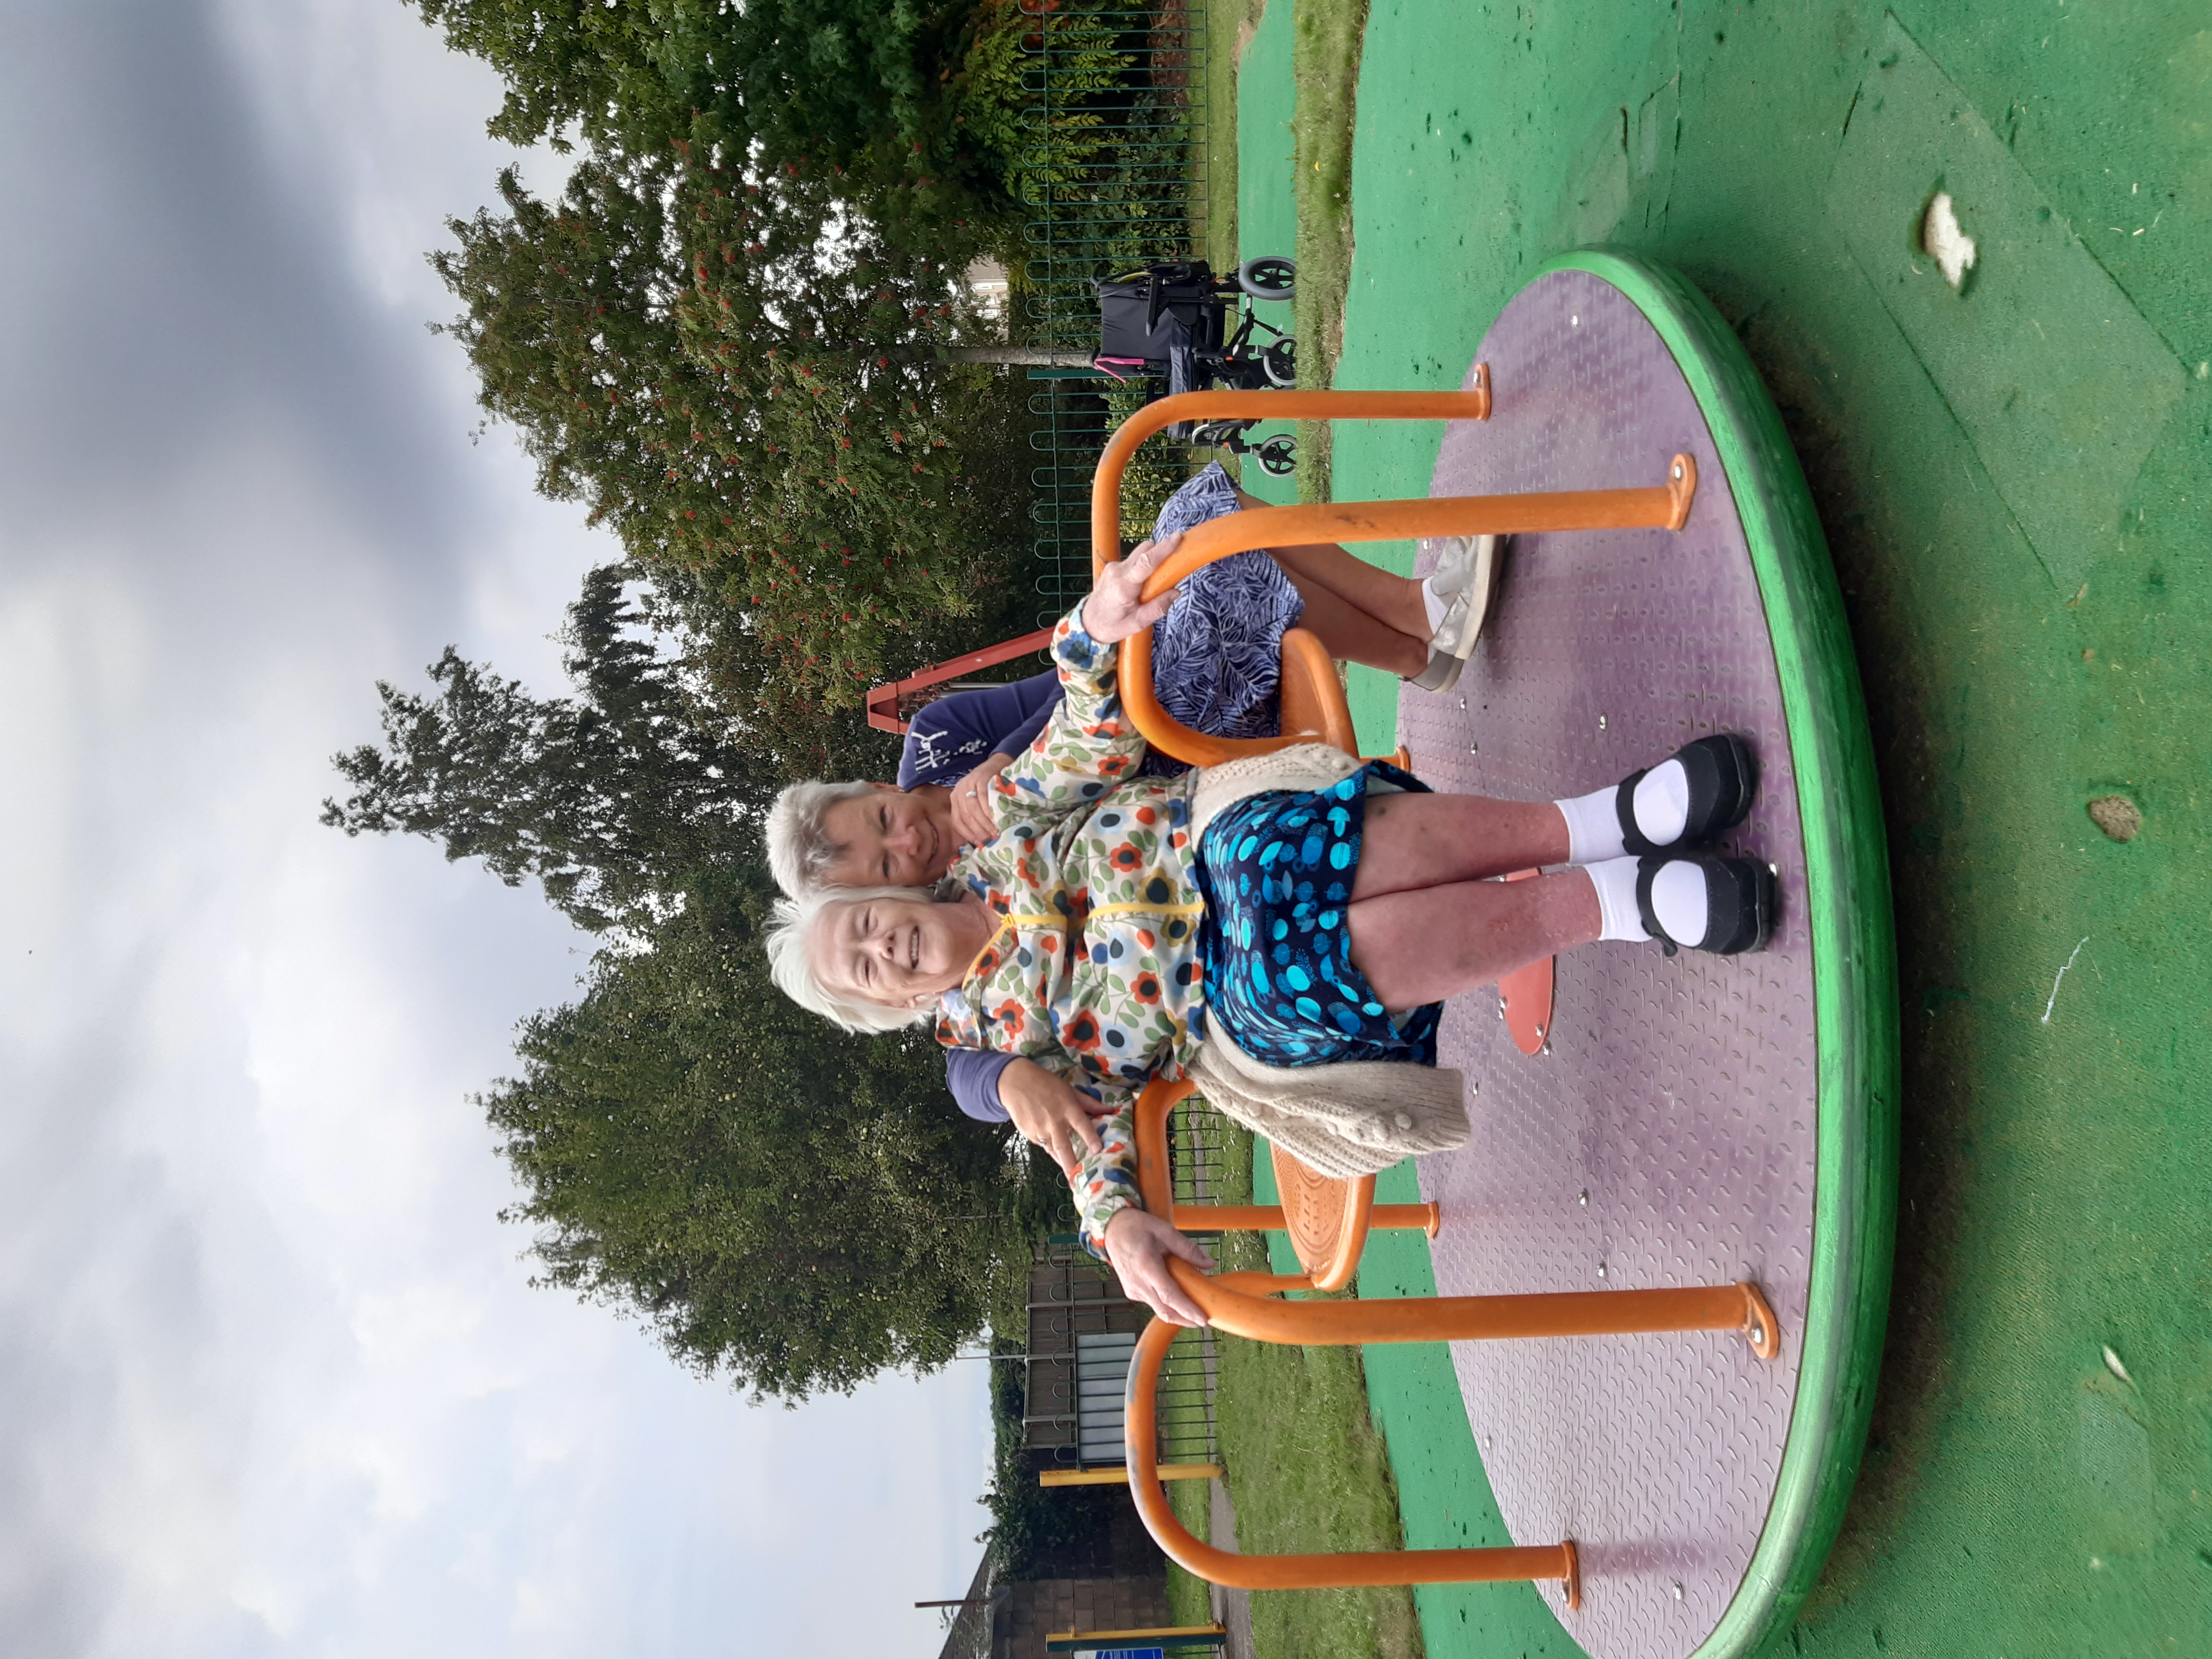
891,838
900,952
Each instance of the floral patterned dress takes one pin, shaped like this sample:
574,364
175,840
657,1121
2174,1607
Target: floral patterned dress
1094,970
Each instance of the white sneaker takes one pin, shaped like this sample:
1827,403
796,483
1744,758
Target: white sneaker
1442,673
1466,575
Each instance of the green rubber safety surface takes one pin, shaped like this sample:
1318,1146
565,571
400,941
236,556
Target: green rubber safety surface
2021,1493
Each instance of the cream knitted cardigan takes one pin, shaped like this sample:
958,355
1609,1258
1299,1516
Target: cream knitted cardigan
1351,1118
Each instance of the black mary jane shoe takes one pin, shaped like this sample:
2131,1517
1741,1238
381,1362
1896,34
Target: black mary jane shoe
1739,895
1723,780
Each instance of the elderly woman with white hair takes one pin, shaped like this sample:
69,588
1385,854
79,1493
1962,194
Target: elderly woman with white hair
1284,928
1216,657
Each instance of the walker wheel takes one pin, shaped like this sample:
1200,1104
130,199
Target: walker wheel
1279,455
1269,278
1280,362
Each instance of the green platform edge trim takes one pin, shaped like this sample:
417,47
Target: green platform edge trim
1847,906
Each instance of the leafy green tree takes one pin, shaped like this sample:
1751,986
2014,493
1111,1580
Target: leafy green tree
878,497
879,90
781,1204
744,384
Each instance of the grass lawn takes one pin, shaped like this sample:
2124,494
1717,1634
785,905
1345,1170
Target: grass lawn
1189,1602
1307,1471
1229,25
1312,106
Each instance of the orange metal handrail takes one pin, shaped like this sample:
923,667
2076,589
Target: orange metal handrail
884,701
1140,1438
1113,459
1156,1186
1242,1304
1665,506
1740,1307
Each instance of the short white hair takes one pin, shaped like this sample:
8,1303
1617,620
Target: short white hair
791,962
799,848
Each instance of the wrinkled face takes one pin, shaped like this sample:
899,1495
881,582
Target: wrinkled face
900,952
891,838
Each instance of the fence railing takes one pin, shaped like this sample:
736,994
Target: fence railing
1115,178
1081,1333
1082,1330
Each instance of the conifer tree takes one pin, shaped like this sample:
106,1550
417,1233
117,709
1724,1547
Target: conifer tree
614,798
743,381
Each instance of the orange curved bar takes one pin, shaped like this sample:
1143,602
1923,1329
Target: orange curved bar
1158,1100
1311,697
1229,1306
1328,1220
1113,459
1339,1264
1140,1436
1659,506
1227,1218
1155,1186
1268,1218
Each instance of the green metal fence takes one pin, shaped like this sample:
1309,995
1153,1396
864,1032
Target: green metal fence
1115,178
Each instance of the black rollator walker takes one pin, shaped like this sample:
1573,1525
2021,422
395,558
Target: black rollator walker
1171,321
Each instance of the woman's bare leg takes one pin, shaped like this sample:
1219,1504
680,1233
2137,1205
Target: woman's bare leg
1394,601
1426,944
1415,841
1353,635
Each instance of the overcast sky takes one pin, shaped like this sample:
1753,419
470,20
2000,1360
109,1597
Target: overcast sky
272,1378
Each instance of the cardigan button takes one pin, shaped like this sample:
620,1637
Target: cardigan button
1405,1120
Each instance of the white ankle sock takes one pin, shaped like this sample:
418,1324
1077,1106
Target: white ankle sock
1593,827
1661,803
1679,901
1615,881
1436,607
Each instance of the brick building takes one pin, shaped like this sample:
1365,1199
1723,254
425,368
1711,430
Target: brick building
1123,1586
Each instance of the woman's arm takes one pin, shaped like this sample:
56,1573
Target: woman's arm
1116,1229
1085,746
1037,696
1033,699
1088,745
972,1075
951,737
1140,1245
997,1088
1106,1183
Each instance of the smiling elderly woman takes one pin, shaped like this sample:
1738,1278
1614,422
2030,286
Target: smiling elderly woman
1283,929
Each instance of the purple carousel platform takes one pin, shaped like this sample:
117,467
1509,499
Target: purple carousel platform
1668,1136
